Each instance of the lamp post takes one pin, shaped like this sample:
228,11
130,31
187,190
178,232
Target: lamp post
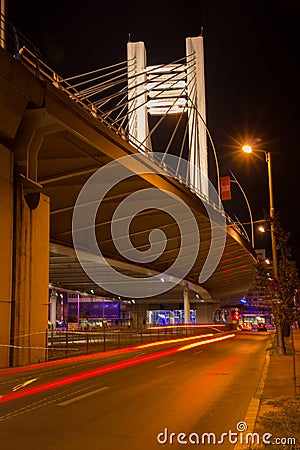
248,149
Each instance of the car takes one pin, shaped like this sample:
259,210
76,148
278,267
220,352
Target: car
262,327
245,326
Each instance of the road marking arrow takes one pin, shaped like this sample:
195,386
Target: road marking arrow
19,386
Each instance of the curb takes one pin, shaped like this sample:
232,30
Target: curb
253,408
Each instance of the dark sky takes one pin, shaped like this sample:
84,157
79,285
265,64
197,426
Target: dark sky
251,69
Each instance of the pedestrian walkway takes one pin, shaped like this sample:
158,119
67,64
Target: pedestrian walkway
279,393
282,370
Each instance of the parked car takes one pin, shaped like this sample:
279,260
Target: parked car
245,326
262,327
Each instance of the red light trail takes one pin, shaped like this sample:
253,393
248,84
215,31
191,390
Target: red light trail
105,369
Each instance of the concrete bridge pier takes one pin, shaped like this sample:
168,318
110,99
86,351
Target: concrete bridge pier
53,303
24,244
30,279
31,231
186,305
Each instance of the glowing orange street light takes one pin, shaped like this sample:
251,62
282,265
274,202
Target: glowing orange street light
247,149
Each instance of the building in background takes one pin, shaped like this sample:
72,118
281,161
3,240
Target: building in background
72,310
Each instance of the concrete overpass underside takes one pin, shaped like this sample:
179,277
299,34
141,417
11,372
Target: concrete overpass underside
49,148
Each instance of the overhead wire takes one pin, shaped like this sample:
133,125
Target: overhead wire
96,70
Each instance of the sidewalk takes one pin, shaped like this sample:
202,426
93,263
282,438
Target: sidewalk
279,379
278,410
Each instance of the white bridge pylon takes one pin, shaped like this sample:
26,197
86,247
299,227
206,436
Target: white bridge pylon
170,89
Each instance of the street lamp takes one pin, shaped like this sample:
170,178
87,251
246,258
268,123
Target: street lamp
262,229
248,149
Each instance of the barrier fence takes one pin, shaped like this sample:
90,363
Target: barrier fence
64,344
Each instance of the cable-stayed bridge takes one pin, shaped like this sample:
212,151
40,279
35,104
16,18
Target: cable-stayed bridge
105,187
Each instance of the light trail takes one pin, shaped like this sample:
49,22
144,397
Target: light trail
105,369
208,341
170,341
91,356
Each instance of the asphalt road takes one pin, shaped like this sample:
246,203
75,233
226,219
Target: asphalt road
135,400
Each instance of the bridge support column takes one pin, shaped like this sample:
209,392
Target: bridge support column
31,278
53,302
137,96
197,122
6,246
186,305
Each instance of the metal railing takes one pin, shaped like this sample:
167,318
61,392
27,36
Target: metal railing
65,344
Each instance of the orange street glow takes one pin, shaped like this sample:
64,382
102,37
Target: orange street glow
247,149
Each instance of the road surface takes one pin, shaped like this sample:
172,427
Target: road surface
137,400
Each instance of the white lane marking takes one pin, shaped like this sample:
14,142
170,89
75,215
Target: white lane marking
165,364
79,397
196,353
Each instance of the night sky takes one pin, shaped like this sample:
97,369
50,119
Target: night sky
251,69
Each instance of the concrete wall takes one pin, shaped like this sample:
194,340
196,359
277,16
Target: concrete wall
205,313
6,242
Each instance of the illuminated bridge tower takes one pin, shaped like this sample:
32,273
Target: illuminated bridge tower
175,88
170,89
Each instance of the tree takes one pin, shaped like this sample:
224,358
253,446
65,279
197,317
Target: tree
280,294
